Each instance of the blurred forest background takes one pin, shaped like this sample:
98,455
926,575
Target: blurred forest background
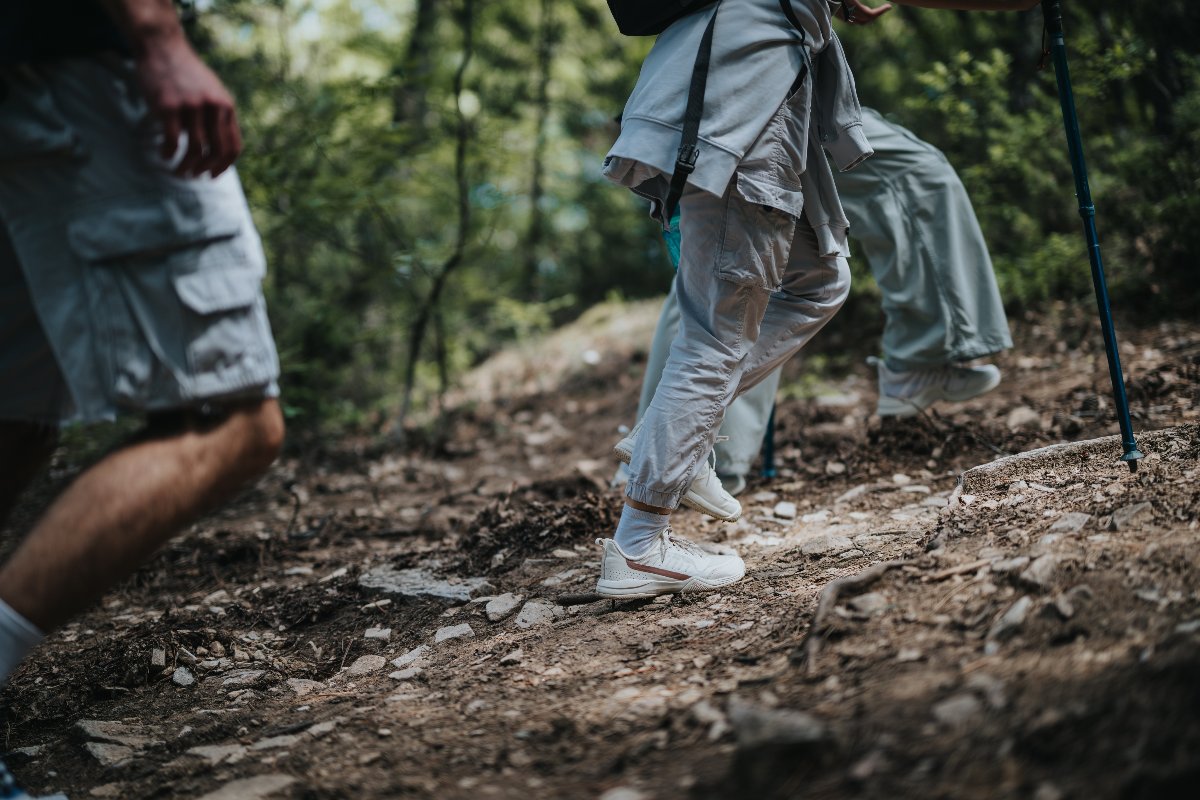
425,173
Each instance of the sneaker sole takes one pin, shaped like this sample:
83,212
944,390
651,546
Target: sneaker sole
634,589
690,499
908,407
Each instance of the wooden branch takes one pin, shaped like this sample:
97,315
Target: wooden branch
806,653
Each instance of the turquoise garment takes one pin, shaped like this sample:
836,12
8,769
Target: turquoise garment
671,237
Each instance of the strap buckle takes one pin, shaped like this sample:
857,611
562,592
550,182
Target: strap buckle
686,158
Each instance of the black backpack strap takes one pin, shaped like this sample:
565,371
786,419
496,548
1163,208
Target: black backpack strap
689,151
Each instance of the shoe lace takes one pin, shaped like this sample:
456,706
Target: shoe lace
684,544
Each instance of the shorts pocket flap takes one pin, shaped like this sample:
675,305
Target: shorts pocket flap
215,290
152,227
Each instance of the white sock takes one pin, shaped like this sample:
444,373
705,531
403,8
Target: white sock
17,637
638,530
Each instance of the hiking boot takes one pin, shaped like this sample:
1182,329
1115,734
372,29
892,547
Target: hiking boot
903,393
9,790
673,564
706,494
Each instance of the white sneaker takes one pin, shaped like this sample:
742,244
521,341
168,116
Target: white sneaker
903,393
706,494
672,565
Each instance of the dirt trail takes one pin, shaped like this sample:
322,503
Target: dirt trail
1043,641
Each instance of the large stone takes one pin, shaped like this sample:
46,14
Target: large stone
365,665
216,754
537,612
411,657
255,788
119,733
418,582
501,607
111,755
453,632
1071,522
1131,516
756,726
1041,571
958,712
1012,619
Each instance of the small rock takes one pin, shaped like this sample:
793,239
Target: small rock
958,712
785,510
365,665
900,479
561,578
302,687
276,742
501,607
561,553
183,676
868,605
1189,627
853,494
707,714
1023,417
1041,571
908,655
764,497
453,632
383,634
158,658
411,657
1012,619
760,726
835,468
255,788
1008,565
107,790
216,649
406,674
1048,791
243,677
826,543
1071,522
991,688
537,612
1128,517
111,755
120,733
624,793
816,516
512,658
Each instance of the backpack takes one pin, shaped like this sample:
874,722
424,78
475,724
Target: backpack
651,17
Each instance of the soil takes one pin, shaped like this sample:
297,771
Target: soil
1039,637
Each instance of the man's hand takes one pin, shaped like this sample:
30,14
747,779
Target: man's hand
184,94
857,12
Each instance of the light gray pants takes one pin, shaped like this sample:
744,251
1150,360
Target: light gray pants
751,290
909,211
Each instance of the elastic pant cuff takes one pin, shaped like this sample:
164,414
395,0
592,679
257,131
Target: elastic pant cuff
641,493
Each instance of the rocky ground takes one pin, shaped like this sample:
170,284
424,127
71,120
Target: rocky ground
377,621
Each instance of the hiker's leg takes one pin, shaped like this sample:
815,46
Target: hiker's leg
122,509
733,253
814,288
909,211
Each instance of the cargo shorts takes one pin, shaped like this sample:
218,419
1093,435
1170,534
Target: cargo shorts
122,287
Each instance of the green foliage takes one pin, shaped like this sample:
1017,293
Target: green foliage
354,122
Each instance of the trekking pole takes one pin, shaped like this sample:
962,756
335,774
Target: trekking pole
768,447
1058,50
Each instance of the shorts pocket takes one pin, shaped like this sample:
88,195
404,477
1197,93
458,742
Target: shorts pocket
754,244
176,298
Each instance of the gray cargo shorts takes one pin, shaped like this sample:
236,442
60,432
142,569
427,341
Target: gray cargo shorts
122,287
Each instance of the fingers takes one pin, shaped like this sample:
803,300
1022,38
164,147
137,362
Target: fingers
191,164
863,14
171,128
224,139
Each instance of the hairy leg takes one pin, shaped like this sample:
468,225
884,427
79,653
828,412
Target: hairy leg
27,447
118,512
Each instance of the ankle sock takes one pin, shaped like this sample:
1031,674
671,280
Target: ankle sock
17,637
638,530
